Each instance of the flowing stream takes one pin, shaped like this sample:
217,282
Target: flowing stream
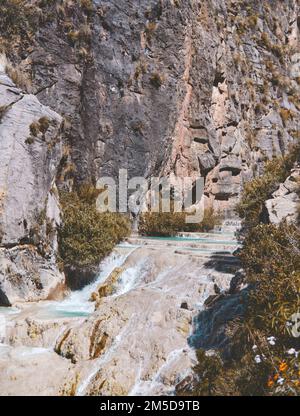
163,279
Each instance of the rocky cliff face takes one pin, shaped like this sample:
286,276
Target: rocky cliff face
163,87
31,149
186,88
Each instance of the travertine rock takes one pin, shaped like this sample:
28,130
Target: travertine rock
34,372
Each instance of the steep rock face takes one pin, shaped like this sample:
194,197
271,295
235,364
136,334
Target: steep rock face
239,107
119,83
31,151
165,87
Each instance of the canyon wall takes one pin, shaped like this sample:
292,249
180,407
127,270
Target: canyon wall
176,88
160,87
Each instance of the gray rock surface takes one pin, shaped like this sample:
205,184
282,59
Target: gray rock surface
172,87
31,150
27,276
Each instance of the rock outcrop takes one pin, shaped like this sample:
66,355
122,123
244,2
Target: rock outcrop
284,204
31,151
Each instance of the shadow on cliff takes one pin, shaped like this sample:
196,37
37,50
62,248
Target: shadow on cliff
210,325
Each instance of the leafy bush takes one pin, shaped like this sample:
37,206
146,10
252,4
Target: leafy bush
87,5
265,360
270,257
20,78
39,126
3,110
170,224
271,260
161,223
16,17
156,80
211,379
264,351
209,222
86,235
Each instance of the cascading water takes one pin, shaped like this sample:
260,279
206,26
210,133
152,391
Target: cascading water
145,388
78,303
148,318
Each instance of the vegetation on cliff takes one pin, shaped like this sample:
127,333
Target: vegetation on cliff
22,20
264,342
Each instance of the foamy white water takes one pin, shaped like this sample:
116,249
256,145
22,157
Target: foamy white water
147,355
78,303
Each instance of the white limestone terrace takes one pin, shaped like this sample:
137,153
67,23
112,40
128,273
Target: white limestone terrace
134,341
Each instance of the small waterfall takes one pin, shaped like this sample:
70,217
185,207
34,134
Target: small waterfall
167,273
131,277
78,303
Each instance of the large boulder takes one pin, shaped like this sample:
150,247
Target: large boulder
25,275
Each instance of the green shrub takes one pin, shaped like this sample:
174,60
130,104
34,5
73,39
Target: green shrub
19,77
86,235
270,257
162,224
209,222
3,110
40,126
16,17
264,351
171,223
286,115
34,128
44,124
271,260
262,365
211,378
87,6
